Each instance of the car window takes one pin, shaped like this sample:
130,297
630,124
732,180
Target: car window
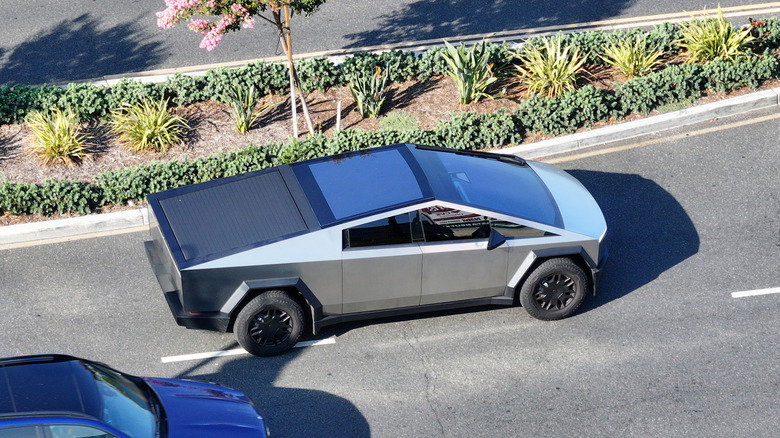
444,223
77,431
489,184
511,230
20,432
394,230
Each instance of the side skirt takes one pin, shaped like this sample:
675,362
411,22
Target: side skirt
336,319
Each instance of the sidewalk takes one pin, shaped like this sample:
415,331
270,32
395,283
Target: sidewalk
128,220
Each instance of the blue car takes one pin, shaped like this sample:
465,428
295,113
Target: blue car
58,396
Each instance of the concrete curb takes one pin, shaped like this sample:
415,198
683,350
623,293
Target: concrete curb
99,223
75,226
723,108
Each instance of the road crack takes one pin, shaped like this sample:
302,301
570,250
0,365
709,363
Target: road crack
429,375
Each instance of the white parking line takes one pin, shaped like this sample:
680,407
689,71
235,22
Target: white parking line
235,351
752,293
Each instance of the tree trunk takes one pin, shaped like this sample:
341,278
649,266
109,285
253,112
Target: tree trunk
306,117
286,41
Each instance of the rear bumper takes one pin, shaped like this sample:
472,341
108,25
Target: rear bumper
215,321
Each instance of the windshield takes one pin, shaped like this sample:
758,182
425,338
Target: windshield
489,184
126,404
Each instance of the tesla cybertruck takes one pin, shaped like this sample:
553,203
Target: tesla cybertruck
393,230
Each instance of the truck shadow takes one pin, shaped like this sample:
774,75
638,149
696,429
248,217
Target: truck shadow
648,233
288,412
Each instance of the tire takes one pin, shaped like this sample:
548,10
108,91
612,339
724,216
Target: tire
270,324
554,290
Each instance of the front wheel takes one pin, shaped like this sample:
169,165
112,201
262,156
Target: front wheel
554,290
270,324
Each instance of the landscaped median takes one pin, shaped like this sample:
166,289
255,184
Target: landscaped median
591,100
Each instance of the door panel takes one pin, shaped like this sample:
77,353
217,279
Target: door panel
454,271
381,278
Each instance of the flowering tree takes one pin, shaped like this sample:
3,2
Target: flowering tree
237,14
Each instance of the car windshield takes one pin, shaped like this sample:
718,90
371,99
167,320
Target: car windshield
489,184
126,404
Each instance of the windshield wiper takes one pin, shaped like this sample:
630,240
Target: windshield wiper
506,158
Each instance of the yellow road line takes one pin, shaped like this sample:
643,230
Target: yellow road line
611,150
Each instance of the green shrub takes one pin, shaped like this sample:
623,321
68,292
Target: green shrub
709,38
674,84
401,66
129,92
550,69
243,107
567,112
664,37
723,75
180,89
147,125
318,74
49,198
399,121
472,130
370,90
633,57
471,70
56,137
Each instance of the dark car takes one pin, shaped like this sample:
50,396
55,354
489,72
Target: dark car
393,230
53,396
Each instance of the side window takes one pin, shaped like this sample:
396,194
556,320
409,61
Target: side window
20,432
77,431
394,230
444,223
511,230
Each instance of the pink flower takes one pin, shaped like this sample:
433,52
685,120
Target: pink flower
238,9
199,25
211,40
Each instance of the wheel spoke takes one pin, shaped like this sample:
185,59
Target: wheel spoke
555,292
271,327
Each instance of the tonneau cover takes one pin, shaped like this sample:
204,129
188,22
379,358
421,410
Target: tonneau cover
221,216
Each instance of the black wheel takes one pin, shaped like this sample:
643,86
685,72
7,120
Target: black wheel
554,290
270,324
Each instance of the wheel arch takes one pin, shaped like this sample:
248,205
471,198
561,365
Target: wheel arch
537,257
293,286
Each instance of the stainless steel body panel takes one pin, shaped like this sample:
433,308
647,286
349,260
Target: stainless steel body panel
315,258
461,270
381,278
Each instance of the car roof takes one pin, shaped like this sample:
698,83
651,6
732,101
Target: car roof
205,221
46,383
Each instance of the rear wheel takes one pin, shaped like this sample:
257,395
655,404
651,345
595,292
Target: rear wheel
270,324
554,290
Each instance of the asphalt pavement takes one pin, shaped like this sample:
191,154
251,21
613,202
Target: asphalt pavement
96,224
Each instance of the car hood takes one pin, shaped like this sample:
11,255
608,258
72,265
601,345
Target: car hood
579,211
195,409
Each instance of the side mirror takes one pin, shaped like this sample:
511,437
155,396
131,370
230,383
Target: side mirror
495,240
